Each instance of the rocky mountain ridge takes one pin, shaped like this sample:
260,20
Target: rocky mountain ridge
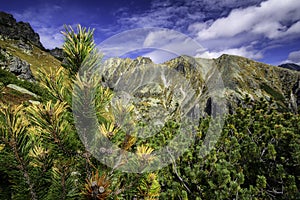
10,28
21,51
291,66
239,77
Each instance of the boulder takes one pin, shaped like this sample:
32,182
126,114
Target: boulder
15,65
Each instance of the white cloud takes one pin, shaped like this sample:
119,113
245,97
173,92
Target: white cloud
243,51
246,28
159,56
178,15
271,19
221,4
161,42
51,37
172,41
42,20
293,57
124,42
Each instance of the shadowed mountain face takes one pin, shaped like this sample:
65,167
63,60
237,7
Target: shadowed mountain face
291,66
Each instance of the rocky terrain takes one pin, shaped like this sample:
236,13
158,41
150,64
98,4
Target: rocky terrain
14,64
21,51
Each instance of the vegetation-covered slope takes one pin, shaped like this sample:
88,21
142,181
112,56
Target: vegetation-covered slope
37,58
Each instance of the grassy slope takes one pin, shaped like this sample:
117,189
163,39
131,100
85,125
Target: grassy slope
38,59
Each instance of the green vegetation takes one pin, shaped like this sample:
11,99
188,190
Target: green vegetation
77,47
7,78
2,58
256,157
276,95
42,157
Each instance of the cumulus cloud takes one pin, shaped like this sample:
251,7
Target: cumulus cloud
242,51
179,14
164,44
42,21
293,57
272,19
172,41
242,27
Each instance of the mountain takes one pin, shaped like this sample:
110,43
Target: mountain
21,56
240,77
291,66
12,29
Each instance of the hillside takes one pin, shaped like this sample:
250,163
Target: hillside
21,55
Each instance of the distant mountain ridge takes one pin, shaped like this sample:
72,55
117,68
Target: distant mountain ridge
240,76
291,66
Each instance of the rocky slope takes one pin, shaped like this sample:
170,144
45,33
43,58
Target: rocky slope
22,54
14,64
21,51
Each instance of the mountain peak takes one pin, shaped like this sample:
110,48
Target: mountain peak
10,28
291,66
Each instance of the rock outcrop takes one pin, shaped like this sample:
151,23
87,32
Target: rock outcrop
12,29
58,53
15,65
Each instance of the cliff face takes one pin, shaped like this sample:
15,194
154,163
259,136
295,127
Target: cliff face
12,29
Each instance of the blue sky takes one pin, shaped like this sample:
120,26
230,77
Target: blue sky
267,31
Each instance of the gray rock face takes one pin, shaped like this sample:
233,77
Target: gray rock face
57,53
15,65
21,68
24,46
12,29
